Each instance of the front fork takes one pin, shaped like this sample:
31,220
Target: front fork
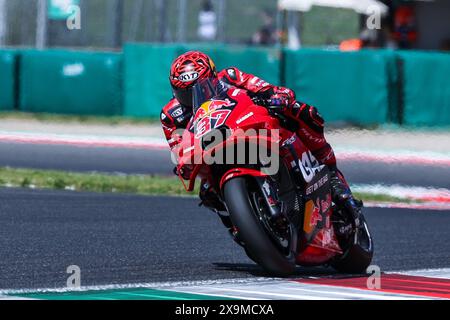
276,208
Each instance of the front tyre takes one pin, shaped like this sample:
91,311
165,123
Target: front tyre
258,239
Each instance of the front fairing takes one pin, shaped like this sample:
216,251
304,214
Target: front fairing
236,111
233,111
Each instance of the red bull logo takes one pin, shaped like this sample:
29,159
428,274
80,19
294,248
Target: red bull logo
312,216
210,116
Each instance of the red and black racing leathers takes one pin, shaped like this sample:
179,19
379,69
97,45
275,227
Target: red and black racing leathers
309,128
310,124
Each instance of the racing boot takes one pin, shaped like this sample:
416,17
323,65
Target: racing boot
343,197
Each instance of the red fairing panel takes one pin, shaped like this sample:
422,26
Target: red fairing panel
239,172
237,111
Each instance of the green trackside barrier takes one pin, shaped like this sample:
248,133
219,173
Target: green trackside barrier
147,87
426,88
7,80
146,78
262,62
355,87
71,82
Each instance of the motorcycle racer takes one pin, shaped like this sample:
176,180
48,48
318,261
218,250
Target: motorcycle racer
193,66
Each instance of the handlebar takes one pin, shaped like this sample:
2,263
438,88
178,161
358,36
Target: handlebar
276,111
268,103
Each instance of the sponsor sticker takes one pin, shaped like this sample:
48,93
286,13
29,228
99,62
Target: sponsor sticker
180,119
290,141
210,116
178,112
317,185
232,74
188,76
247,116
73,70
235,92
309,166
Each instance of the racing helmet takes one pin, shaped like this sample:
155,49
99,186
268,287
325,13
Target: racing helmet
186,71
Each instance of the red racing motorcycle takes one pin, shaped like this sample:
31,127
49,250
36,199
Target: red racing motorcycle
275,194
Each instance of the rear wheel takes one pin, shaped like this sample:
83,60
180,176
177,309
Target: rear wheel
271,248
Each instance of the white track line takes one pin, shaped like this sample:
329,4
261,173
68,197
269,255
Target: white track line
84,140
13,298
394,156
404,191
353,294
385,156
441,273
285,289
411,206
257,293
145,285
257,288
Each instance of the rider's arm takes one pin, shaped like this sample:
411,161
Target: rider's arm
249,82
254,84
173,117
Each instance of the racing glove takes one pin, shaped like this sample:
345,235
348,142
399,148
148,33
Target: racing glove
282,97
278,97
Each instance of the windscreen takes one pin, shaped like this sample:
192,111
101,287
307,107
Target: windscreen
206,89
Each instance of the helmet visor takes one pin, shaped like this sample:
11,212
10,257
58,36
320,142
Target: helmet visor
183,95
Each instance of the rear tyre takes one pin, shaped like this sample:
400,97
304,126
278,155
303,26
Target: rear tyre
256,237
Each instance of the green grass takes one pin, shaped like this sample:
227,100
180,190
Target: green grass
48,117
380,198
110,183
91,182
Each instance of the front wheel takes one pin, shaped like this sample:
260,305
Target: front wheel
273,251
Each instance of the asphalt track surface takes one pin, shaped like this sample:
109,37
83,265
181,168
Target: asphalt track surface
122,239
140,161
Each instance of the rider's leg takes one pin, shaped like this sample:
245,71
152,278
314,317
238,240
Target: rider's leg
311,131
